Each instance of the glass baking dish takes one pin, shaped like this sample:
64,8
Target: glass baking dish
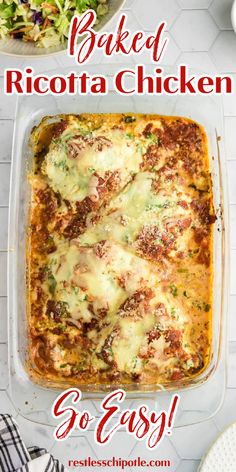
202,396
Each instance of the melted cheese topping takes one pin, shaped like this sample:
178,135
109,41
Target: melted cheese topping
120,250
72,173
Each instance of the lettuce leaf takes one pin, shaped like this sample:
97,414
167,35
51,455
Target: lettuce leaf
83,5
7,11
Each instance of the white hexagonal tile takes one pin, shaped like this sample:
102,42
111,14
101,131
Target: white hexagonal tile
128,4
223,52
165,451
221,12
132,23
6,406
116,59
6,132
231,166
233,245
34,434
3,228
3,367
149,16
188,443
229,104
99,469
188,466
232,302
4,180
202,400
3,273
73,449
233,291
194,30
194,4
152,403
172,52
198,60
3,319
4,62
93,406
122,443
170,56
227,413
231,364
7,102
63,60
41,64
230,142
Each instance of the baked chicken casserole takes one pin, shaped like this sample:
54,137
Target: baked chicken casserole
120,250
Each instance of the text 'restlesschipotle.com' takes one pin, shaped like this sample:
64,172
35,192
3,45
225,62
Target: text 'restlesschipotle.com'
118,462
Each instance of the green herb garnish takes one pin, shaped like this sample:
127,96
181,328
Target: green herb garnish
52,283
173,290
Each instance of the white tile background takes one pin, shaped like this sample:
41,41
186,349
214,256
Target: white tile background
200,34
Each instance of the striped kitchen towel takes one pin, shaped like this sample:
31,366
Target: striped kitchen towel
15,457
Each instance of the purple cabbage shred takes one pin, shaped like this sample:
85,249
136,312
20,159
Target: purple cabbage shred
37,17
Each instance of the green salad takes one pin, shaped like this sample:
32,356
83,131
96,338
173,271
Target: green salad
44,22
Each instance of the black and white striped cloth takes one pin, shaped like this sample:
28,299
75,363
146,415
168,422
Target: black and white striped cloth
15,457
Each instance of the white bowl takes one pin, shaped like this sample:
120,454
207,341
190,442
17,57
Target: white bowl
17,47
233,15
222,455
